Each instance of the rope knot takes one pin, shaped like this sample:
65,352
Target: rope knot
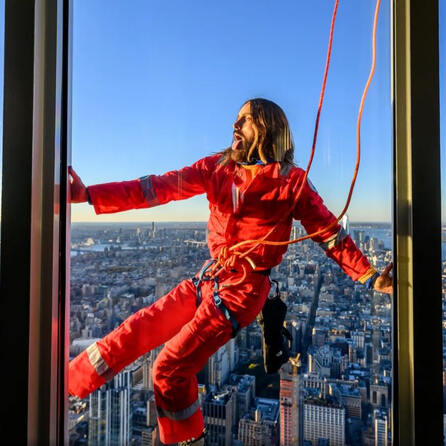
228,260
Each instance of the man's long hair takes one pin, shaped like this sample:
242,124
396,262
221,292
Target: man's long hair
272,140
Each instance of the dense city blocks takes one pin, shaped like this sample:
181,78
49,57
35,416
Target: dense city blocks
340,394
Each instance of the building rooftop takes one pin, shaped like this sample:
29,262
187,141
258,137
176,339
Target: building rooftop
218,398
269,408
324,402
243,382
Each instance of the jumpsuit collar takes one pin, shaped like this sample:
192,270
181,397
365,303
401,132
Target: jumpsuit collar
270,169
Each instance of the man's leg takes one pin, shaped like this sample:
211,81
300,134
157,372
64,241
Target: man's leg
175,369
138,334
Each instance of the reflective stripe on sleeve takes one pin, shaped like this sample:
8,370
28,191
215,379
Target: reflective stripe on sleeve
334,240
369,273
148,191
98,363
179,415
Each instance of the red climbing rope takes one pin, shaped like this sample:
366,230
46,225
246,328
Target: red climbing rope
232,257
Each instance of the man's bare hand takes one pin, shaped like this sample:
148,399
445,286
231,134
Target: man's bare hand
77,188
384,283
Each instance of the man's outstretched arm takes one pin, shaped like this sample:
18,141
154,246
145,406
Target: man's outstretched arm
148,191
108,197
339,246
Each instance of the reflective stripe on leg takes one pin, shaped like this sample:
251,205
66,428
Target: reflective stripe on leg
180,414
174,431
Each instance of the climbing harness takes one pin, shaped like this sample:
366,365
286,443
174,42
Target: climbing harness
197,280
224,309
202,277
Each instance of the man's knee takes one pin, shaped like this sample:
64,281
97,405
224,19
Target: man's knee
162,373
158,370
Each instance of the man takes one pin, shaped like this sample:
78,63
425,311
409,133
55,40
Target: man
252,188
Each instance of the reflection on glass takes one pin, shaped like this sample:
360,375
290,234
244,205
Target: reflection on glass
149,99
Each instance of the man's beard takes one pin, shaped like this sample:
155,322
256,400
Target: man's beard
240,150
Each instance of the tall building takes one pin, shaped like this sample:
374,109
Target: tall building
147,371
296,329
147,367
147,436
381,427
218,409
324,418
358,338
291,421
349,396
319,336
260,427
245,386
110,417
150,437
221,364
314,381
379,394
444,425
323,360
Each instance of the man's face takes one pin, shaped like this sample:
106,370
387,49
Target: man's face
244,129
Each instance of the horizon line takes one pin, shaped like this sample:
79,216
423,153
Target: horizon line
189,221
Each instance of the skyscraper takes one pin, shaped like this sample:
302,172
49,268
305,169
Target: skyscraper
324,418
260,427
110,418
381,427
291,421
245,386
218,411
221,363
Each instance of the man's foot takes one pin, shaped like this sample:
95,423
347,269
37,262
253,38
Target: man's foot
194,441
198,442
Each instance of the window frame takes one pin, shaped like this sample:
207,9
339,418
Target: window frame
35,223
417,329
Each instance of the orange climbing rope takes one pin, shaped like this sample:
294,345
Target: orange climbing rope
231,257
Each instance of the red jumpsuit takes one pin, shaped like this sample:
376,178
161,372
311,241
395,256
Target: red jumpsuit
241,207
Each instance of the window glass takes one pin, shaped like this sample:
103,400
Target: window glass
158,86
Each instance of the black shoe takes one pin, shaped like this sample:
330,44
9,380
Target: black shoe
194,441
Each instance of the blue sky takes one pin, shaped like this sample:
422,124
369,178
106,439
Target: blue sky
157,85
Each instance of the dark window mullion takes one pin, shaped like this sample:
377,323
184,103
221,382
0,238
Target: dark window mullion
418,395
16,217
33,230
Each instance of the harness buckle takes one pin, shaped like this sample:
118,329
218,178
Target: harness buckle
217,299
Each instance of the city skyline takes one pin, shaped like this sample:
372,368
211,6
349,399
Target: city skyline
341,329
